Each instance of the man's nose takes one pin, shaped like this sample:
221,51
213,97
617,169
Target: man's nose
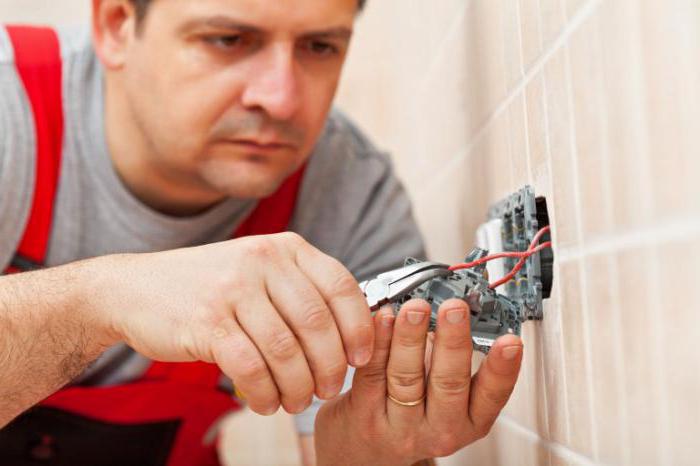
273,85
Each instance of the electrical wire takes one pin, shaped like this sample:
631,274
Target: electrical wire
532,249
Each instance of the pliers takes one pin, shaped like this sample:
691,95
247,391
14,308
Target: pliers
391,286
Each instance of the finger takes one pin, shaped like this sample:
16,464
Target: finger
450,374
430,343
494,382
307,314
345,299
240,360
281,352
369,382
406,367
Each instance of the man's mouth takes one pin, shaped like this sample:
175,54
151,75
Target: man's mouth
261,145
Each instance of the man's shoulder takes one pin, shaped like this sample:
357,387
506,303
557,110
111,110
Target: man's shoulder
7,56
343,139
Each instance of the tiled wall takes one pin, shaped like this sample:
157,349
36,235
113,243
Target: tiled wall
597,104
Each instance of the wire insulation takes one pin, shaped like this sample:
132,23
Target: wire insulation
532,249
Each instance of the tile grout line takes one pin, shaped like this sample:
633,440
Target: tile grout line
543,379
661,400
553,216
583,13
618,360
664,452
668,232
452,30
583,279
617,357
554,447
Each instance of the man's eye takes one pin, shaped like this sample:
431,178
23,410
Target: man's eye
322,48
226,42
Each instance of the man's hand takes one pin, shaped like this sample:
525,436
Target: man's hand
279,317
364,426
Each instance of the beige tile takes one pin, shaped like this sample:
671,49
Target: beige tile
527,405
589,114
444,228
561,460
552,20
680,332
628,130
535,408
572,7
530,30
516,448
563,205
513,60
519,143
639,374
484,58
537,124
575,354
555,383
495,147
455,100
481,452
608,382
671,69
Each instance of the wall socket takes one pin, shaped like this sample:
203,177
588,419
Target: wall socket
511,226
513,223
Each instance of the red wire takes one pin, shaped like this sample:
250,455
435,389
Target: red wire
532,249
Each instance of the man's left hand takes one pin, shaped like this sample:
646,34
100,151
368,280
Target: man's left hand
447,409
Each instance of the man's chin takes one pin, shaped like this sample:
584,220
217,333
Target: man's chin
245,179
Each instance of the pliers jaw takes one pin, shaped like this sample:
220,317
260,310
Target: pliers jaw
392,286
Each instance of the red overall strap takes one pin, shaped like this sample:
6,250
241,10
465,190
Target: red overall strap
38,63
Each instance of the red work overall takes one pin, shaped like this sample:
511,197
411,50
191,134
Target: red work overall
164,417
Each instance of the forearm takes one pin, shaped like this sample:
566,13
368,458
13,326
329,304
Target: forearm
48,334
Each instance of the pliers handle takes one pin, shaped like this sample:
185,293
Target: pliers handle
389,287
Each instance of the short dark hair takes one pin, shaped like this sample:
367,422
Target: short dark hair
141,7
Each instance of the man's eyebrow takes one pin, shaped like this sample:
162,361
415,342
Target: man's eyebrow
225,22
338,33
220,22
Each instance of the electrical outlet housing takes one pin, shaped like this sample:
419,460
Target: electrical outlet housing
511,226
521,216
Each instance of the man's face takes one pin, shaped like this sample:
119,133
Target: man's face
231,95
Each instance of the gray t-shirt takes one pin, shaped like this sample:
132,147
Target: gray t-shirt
351,205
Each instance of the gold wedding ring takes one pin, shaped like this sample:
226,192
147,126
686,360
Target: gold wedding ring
406,403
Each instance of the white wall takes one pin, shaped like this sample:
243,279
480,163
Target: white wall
55,12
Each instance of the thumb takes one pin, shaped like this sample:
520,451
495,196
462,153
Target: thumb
494,382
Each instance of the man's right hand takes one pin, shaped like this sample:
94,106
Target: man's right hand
278,316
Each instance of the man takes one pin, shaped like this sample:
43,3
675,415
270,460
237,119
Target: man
181,122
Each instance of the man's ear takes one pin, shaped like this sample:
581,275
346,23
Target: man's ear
113,30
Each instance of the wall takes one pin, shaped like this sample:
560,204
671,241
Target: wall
597,105
594,103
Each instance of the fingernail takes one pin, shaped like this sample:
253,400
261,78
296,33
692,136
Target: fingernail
301,407
387,320
361,357
415,317
270,411
331,390
511,352
456,316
